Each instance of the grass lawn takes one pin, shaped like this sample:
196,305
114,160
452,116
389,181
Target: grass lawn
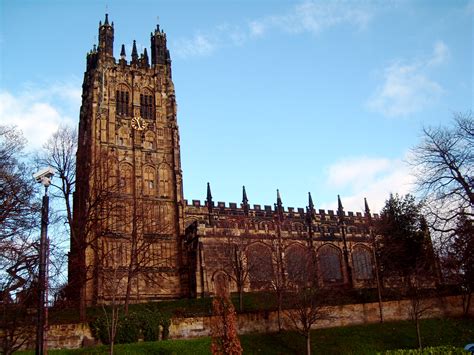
362,339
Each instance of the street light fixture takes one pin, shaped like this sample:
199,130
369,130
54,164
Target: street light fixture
44,177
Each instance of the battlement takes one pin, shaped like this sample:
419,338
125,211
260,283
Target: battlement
233,208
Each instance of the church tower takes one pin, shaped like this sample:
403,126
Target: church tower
128,204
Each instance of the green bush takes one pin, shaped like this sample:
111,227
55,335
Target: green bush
438,350
142,323
128,329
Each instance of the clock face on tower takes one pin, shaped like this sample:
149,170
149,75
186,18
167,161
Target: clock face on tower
138,123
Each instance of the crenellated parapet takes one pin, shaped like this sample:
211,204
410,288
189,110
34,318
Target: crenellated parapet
261,220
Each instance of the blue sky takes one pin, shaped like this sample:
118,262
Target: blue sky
320,96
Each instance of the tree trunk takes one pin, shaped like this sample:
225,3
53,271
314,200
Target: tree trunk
82,302
467,304
418,332
241,299
128,292
82,278
308,342
279,311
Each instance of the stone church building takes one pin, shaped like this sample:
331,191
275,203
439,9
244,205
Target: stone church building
137,237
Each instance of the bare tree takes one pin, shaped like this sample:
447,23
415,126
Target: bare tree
305,300
94,212
458,260
444,168
113,285
59,152
19,215
144,257
417,287
236,261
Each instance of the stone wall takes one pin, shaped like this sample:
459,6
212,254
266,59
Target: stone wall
69,336
343,315
79,335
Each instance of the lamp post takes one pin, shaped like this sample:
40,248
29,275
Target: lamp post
43,177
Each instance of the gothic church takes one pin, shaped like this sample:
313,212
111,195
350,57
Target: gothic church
137,238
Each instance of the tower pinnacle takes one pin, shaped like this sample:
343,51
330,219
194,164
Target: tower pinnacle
279,206
106,39
340,209
134,53
245,201
159,52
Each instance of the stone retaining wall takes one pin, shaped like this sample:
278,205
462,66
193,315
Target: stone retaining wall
78,335
261,322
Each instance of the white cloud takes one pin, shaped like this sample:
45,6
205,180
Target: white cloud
256,28
407,88
440,54
373,178
314,17
306,17
199,45
39,111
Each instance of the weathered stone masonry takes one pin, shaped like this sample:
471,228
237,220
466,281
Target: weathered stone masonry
131,218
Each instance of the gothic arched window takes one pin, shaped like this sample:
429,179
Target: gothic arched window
149,187
260,268
330,264
122,101
300,265
164,187
362,262
126,181
146,105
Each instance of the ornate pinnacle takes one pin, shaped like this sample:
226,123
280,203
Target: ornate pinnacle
245,201
340,209
310,202
279,205
367,209
134,52
209,196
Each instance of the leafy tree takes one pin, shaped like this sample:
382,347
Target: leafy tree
400,235
405,250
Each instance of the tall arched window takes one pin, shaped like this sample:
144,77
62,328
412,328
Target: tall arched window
149,182
260,268
164,187
122,101
126,181
330,264
300,265
362,263
146,105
